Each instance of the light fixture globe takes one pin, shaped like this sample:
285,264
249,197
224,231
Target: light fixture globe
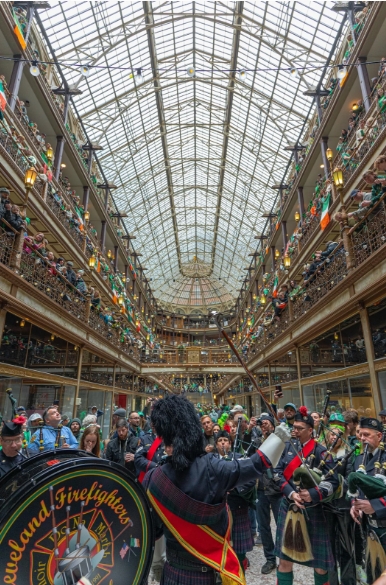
30,178
338,177
34,69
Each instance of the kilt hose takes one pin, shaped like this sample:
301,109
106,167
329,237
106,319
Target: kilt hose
241,530
318,533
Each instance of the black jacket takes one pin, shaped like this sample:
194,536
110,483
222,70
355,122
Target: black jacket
141,461
117,449
71,276
15,220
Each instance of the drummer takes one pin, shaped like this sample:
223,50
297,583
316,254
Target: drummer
11,439
51,435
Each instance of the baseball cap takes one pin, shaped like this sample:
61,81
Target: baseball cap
382,412
268,417
354,192
290,405
237,408
20,409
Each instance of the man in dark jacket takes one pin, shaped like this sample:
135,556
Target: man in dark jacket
71,276
122,449
4,201
13,217
209,439
188,494
149,453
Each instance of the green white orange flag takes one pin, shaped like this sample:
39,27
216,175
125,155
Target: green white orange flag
3,99
325,216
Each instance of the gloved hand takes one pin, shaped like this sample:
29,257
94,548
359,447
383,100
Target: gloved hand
283,432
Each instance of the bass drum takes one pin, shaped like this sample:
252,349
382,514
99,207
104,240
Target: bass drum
67,517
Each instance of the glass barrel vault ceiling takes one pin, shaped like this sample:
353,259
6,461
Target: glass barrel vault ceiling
193,157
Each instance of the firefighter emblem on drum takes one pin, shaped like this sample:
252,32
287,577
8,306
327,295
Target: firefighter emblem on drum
82,527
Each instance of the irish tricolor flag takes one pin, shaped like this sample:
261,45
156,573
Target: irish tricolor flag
275,286
3,99
325,216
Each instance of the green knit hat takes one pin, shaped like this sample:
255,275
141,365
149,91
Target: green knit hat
337,421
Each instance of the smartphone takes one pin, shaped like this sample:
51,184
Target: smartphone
56,403
279,392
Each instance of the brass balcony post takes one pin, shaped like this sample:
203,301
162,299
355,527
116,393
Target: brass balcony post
367,336
347,243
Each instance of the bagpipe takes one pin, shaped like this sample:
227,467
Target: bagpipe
325,407
24,446
372,487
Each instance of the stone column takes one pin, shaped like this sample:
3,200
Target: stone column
364,81
365,322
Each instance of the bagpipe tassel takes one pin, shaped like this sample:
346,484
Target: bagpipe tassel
375,555
296,541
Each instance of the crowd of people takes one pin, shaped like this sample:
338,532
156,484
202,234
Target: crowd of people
292,472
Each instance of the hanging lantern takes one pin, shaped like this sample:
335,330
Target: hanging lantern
297,215
86,216
50,154
123,279
121,299
22,323
92,262
249,322
30,178
337,175
263,300
109,255
277,254
52,337
287,261
336,336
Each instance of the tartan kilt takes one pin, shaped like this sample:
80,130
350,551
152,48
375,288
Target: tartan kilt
241,531
173,576
318,533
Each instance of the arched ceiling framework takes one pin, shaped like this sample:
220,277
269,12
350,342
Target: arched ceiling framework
193,157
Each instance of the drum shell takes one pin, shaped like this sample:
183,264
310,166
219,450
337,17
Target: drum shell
116,515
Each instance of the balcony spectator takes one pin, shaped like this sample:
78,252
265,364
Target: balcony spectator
4,201
96,300
13,217
60,263
71,276
80,284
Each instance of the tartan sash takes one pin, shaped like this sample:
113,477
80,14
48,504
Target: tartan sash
198,539
149,456
297,461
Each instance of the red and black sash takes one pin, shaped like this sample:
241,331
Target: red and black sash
198,538
149,456
297,461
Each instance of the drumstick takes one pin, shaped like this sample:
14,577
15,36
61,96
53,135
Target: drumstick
80,526
68,508
54,529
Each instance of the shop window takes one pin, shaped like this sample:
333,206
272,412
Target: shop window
87,399
346,393
35,396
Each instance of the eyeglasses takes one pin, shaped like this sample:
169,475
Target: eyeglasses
299,429
11,441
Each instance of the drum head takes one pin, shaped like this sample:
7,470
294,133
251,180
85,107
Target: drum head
74,520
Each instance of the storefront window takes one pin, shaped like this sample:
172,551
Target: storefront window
35,396
346,393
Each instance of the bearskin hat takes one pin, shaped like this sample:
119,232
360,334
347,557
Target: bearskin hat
176,423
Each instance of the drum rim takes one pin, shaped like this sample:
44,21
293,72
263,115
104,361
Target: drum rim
88,460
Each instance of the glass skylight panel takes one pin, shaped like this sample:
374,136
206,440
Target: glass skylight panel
267,113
